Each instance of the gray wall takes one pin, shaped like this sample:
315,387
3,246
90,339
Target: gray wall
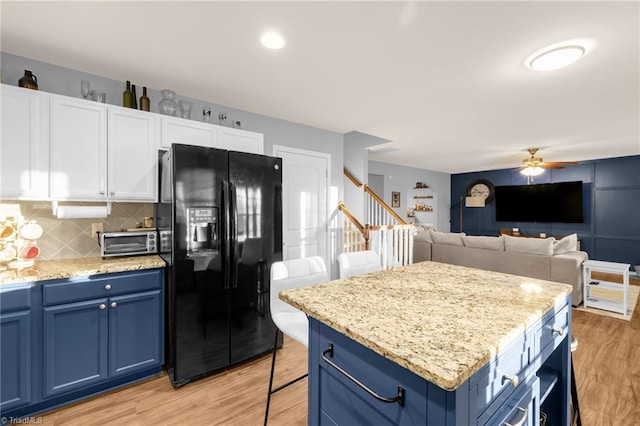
402,179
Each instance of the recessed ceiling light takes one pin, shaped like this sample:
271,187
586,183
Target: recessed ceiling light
272,40
556,57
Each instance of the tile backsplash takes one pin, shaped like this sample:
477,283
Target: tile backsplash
67,238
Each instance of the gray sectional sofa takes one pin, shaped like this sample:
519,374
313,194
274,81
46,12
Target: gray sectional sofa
502,254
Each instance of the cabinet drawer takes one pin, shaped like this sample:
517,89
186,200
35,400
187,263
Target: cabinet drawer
555,326
341,398
496,380
521,409
98,286
14,297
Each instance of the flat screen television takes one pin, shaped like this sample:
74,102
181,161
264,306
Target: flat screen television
547,202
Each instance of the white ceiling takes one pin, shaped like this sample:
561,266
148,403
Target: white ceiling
443,81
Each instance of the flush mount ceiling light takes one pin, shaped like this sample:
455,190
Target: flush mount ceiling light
555,57
272,40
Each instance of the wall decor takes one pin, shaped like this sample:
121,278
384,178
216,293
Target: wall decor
395,199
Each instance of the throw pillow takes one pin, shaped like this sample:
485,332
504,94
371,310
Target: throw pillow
445,238
487,243
543,246
566,244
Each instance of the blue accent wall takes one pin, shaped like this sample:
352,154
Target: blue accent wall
611,202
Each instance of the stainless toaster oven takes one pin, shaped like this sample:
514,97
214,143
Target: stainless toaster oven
128,243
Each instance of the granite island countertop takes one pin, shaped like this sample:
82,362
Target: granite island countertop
442,322
76,267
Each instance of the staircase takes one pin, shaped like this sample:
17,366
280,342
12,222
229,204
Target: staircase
384,232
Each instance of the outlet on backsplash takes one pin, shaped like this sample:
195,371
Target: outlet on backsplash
96,229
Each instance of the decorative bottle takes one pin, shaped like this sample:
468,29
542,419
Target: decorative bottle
135,97
144,100
168,105
128,101
28,80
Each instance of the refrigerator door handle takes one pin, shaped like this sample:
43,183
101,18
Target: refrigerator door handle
226,232
234,233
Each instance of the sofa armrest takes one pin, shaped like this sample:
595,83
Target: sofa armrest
421,250
567,268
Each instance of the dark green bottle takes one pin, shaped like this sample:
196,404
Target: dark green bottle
128,100
135,97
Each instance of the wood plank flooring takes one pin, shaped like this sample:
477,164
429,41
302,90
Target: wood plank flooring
607,364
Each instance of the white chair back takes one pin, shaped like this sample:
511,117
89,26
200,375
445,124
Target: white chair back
294,273
358,262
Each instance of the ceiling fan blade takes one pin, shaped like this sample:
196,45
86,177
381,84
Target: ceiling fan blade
564,163
551,166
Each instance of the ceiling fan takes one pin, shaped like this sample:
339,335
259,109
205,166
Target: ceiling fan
534,166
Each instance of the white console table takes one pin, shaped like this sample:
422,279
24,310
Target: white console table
602,301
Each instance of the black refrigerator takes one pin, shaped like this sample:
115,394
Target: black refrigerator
219,222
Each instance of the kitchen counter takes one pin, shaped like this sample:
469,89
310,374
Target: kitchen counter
442,322
76,267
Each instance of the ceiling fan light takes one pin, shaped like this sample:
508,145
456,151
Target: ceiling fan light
557,58
532,171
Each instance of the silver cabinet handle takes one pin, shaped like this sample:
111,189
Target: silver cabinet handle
114,304
522,420
107,287
558,331
101,192
513,379
399,398
102,306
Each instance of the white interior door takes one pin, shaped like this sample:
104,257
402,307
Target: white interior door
305,197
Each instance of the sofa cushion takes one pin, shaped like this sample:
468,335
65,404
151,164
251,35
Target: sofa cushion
423,236
446,238
541,246
488,243
566,244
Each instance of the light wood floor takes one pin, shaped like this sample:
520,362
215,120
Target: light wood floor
607,364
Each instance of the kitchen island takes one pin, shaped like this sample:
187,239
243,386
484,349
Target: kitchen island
439,344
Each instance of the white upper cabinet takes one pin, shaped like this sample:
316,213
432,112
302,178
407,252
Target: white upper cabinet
24,149
132,155
102,152
240,140
78,149
188,132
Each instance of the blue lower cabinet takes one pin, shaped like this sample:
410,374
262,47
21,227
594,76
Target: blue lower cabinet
135,332
76,337
68,339
15,357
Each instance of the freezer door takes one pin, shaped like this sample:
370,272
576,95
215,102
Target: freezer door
198,308
256,242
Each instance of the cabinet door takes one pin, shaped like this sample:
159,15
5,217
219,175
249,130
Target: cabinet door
78,149
240,140
132,155
75,345
188,132
15,359
135,332
24,163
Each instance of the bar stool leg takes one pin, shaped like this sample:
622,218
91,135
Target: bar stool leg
576,420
